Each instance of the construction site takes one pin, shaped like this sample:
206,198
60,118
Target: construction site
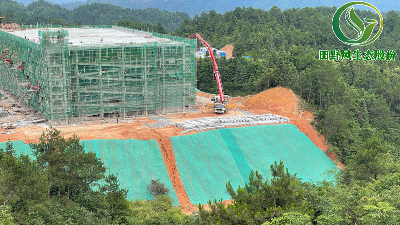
82,80
70,74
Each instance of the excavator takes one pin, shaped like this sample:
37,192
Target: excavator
221,101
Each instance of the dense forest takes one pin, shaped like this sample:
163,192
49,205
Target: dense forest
356,104
193,7
43,12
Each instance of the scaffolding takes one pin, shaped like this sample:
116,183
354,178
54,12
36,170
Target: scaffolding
67,82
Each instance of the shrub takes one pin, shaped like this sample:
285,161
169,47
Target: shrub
157,188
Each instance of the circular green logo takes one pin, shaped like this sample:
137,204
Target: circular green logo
365,35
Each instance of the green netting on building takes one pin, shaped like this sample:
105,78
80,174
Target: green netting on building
136,163
208,160
66,82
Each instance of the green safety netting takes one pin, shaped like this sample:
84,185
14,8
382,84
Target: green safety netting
152,77
208,160
136,163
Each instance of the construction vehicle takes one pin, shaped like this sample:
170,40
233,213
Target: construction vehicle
221,101
219,106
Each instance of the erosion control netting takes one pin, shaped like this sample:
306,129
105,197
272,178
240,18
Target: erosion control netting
20,148
135,162
208,160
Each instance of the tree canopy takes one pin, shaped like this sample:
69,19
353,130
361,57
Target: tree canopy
43,12
65,185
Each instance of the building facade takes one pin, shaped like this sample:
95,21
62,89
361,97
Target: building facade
69,74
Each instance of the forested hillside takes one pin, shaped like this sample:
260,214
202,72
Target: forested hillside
356,103
93,14
194,7
352,99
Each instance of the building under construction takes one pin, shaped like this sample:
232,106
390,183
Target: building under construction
69,74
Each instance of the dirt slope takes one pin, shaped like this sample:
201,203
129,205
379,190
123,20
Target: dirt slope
283,102
129,130
228,49
172,168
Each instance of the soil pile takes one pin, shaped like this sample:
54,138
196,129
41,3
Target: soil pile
279,100
284,102
228,49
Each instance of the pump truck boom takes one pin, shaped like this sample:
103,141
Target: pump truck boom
220,103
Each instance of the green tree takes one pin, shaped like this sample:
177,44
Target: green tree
72,213
22,184
362,203
291,218
9,178
81,170
66,163
159,28
157,211
50,156
6,218
285,72
20,179
259,201
116,198
371,160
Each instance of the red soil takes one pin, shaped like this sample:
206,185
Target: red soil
278,100
203,94
172,168
283,102
131,130
225,203
228,49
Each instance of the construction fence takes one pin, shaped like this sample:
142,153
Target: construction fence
68,82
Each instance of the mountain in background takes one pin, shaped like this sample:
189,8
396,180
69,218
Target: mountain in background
43,12
193,7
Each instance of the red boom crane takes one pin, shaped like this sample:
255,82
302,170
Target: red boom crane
220,107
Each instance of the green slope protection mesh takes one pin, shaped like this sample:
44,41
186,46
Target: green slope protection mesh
135,162
208,160
20,148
